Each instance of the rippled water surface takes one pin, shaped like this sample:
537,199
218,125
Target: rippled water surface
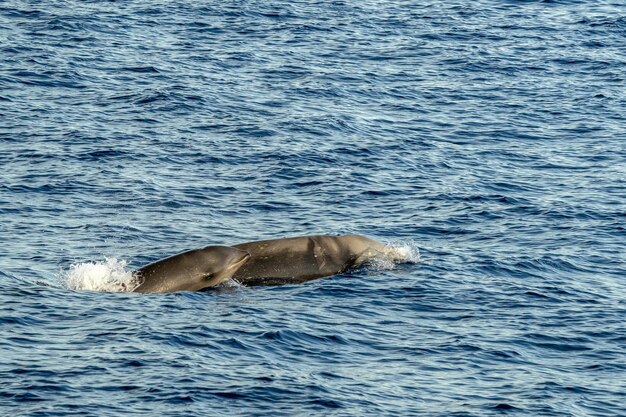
490,135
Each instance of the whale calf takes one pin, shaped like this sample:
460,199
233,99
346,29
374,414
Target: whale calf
300,259
193,270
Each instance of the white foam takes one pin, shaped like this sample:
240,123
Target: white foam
399,252
230,283
409,251
110,275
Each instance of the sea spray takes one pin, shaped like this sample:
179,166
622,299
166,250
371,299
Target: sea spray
399,252
109,275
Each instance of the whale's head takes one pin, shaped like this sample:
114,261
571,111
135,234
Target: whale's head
191,271
219,263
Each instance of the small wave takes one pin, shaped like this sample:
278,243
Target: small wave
110,275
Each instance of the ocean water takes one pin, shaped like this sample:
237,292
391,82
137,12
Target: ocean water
488,137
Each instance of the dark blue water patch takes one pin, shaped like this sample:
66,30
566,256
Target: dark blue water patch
104,154
617,22
148,69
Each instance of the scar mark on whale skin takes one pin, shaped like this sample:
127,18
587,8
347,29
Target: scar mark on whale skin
320,253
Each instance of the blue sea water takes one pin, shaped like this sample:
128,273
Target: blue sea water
487,136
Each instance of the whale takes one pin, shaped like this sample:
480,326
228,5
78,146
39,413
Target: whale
192,270
295,260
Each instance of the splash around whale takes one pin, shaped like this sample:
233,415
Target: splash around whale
268,262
